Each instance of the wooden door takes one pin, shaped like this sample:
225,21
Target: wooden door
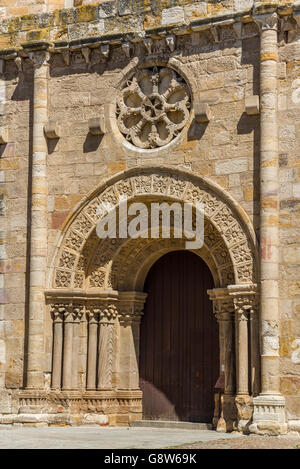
179,345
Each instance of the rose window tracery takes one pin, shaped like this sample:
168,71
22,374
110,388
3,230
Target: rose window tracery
153,107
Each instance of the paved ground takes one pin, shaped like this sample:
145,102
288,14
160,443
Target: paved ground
102,438
130,438
248,442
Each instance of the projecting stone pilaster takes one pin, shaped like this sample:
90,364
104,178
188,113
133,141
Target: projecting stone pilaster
269,234
38,234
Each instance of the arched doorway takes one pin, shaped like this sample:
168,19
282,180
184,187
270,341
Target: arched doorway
179,342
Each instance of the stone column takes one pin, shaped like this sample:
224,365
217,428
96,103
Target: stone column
227,319
68,348
57,315
255,351
106,347
242,363
243,297
77,315
223,310
93,317
269,209
38,233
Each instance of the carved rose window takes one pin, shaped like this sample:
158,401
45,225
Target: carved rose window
153,107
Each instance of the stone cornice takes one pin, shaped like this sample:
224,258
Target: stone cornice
43,35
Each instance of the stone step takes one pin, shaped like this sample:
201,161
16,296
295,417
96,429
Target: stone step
171,424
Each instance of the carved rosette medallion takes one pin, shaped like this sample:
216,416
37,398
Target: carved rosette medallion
153,107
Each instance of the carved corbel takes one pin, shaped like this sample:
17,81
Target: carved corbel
97,125
296,17
66,56
52,129
148,43
171,42
19,65
252,105
237,27
86,52
126,46
215,34
104,48
202,111
3,135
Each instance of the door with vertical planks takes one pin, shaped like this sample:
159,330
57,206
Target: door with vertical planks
179,344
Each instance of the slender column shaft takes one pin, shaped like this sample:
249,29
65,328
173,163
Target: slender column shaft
92,351
269,205
75,352
255,355
38,234
242,352
57,351
68,351
229,353
105,355
221,343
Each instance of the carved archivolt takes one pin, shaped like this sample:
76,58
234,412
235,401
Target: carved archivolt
153,107
84,261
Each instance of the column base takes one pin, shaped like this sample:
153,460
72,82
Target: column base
269,415
226,421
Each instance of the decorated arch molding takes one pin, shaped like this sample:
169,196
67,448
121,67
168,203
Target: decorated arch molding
85,262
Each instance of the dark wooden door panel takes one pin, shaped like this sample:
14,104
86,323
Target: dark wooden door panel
179,351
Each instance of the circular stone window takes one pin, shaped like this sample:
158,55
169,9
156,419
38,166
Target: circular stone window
153,107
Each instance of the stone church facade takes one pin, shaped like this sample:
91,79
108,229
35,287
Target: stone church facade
175,101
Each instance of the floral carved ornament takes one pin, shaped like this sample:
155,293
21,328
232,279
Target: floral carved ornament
153,107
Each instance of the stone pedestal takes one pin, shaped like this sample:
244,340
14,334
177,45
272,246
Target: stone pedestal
269,415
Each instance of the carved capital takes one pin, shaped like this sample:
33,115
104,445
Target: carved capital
222,303
108,313
57,312
39,58
267,21
92,313
78,311
130,313
68,313
244,299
